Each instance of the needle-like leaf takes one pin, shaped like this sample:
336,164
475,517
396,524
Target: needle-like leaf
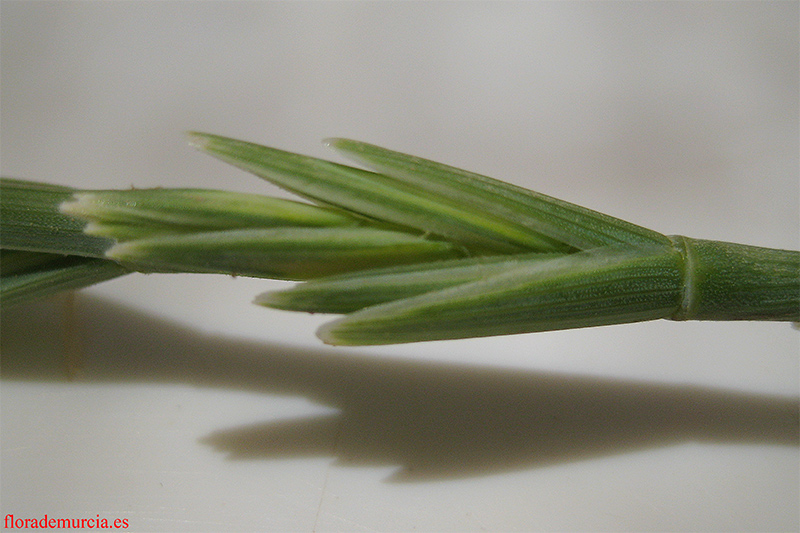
183,230
350,292
132,214
605,286
378,196
283,253
558,220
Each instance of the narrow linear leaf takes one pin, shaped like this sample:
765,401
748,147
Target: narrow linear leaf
139,213
285,253
376,196
599,287
351,292
550,217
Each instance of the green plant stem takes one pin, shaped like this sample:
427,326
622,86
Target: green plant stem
728,281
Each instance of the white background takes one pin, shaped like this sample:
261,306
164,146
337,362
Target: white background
172,402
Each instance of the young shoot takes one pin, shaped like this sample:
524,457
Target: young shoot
410,250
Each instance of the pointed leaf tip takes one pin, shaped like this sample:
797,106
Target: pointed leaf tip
334,142
327,334
198,140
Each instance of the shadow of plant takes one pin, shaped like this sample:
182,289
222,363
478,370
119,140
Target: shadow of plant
433,420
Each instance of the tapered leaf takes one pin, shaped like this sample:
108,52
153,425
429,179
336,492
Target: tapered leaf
556,219
284,253
138,213
351,292
605,286
377,196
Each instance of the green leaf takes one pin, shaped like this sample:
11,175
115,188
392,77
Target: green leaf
138,213
377,196
284,253
546,216
351,292
604,286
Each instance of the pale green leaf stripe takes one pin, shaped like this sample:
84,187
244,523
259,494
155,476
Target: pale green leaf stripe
351,292
284,253
376,196
600,287
139,213
31,275
30,220
560,220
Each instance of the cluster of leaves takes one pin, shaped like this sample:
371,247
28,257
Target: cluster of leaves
410,250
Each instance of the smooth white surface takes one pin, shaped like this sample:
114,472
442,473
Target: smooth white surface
172,402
